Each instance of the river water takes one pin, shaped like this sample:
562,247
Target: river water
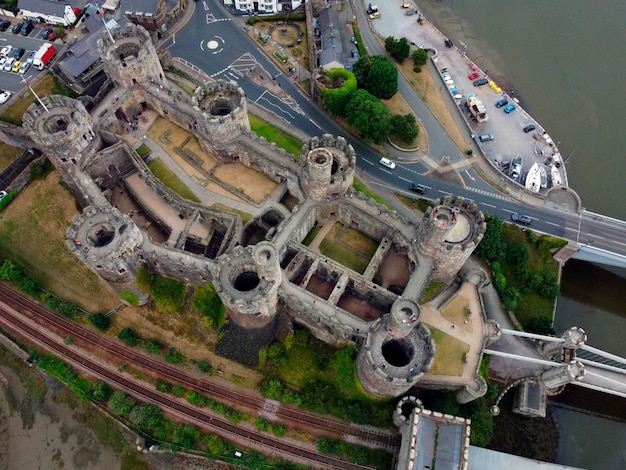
565,60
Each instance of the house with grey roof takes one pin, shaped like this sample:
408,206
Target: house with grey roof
47,11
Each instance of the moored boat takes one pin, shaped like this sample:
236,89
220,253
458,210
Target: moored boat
533,178
555,176
543,177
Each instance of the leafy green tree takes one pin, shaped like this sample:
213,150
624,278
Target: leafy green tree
340,90
100,321
10,272
499,282
101,391
120,404
518,254
420,57
491,246
378,75
398,48
540,325
185,436
369,115
214,444
404,127
128,337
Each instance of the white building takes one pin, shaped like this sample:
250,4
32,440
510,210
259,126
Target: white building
46,11
263,6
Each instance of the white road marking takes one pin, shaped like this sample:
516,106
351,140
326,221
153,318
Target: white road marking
489,205
470,176
444,192
552,223
314,123
367,161
386,171
404,179
508,210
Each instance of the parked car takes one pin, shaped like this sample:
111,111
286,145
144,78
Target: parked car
4,25
4,96
473,76
17,27
510,108
24,68
502,102
2,61
375,15
371,9
30,57
486,137
505,164
46,32
529,128
480,82
26,28
17,65
18,53
8,64
418,188
6,50
521,218
388,163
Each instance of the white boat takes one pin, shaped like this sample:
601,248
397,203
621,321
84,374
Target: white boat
555,176
533,178
543,177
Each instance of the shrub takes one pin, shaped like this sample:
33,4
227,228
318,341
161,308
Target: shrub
130,298
100,321
128,337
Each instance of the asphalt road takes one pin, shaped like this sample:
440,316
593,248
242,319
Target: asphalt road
214,41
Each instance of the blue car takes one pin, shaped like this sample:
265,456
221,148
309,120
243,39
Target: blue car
502,102
509,108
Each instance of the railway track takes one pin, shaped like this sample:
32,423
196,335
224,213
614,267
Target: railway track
40,315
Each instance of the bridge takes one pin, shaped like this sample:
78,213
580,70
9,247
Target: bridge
551,362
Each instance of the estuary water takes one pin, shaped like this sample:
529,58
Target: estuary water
565,61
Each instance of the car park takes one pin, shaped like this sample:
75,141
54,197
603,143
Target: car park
2,62
4,25
529,128
4,96
17,65
30,57
18,53
6,50
388,163
510,108
473,76
502,102
17,27
521,218
480,82
486,137
24,68
8,64
418,188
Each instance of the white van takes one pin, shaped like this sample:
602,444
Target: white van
388,163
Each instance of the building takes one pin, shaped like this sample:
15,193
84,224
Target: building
263,6
47,11
267,269
147,13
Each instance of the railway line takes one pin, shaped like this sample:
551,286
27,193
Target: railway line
43,317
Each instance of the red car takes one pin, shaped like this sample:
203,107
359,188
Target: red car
473,76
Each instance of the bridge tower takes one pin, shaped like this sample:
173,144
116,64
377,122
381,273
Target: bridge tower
450,231
247,281
130,58
328,167
398,351
556,377
573,338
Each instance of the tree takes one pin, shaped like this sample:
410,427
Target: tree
491,246
10,272
420,57
378,75
369,115
404,127
340,91
128,337
100,321
120,404
540,325
398,48
207,300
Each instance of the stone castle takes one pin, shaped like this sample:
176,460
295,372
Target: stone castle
265,269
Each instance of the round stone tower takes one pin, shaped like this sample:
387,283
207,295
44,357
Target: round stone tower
247,281
573,338
404,409
558,376
130,58
450,231
328,167
471,391
63,129
108,243
392,361
222,106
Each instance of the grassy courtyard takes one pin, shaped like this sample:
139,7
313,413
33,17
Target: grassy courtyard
348,247
448,355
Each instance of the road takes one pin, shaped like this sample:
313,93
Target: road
214,41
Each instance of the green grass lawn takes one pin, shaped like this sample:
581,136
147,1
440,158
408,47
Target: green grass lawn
359,186
448,354
419,205
170,180
431,291
311,235
245,217
359,241
272,134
